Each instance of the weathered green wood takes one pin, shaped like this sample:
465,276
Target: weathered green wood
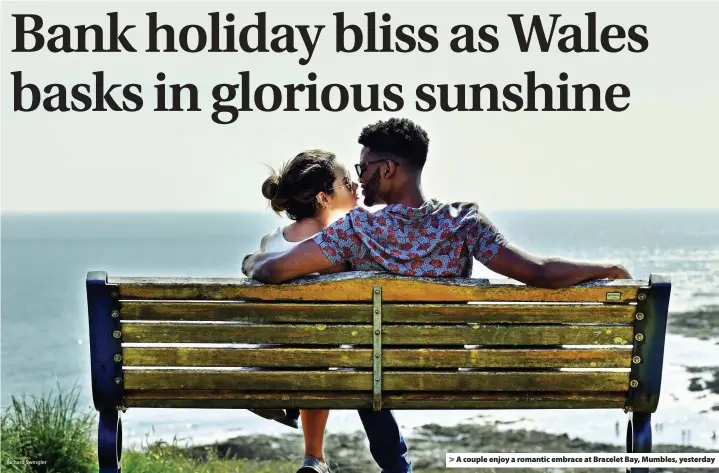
238,311
279,312
507,381
362,357
546,313
356,286
328,334
556,381
506,401
508,358
247,357
508,335
315,334
248,380
358,400
336,309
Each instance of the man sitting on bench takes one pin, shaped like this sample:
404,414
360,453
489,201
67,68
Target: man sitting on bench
413,235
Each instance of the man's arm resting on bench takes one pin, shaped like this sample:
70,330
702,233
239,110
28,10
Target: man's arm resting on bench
303,259
511,261
550,273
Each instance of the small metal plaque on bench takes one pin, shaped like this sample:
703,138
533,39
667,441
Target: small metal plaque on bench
614,296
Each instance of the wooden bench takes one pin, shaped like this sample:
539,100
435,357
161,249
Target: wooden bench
531,348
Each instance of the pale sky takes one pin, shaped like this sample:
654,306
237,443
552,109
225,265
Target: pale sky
661,152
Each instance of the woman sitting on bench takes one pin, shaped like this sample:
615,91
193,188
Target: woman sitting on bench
313,190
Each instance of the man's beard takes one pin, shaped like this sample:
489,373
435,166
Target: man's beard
371,188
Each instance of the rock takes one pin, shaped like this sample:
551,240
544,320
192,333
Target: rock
702,323
709,383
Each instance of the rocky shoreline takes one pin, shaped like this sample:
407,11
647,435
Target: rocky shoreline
706,379
348,453
702,323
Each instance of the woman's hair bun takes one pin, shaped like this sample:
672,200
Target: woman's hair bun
271,192
270,187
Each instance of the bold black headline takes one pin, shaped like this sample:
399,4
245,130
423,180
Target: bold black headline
378,33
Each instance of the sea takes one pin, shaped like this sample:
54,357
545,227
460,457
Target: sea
44,327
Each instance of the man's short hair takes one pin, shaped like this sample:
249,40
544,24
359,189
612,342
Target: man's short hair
400,137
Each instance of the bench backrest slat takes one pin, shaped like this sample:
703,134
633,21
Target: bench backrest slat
353,287
162,356
362,381
288,312
338,334
223,399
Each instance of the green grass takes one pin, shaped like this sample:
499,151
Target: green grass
163,457
144,463
51,434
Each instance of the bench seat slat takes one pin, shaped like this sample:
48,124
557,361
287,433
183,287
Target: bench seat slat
247,380
288,312
362,358
354,287
343,400
328,334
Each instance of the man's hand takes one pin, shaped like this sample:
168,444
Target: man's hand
618,271
246,266
303,259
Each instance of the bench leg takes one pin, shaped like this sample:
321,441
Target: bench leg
109,442
639,436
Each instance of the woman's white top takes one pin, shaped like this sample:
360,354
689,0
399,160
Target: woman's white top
275,242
